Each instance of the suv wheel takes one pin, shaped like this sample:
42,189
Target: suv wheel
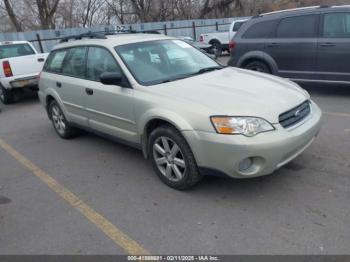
62,127
258,66
172,158
6,96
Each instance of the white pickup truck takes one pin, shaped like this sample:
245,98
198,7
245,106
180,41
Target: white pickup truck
220,40
20,66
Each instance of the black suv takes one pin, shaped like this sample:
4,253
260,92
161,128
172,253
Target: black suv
306,45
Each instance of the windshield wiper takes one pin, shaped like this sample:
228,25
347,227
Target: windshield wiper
207,69
199,72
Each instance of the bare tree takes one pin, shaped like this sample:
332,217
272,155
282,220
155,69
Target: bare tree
47,9
12,16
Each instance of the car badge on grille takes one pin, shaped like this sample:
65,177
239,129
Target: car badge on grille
297,113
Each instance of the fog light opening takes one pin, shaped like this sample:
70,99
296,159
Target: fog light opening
245,164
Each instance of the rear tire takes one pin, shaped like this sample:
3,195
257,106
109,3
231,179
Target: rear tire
60,123
216,48
6,96
172,158
258,66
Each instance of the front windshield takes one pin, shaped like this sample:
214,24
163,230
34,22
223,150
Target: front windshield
162,61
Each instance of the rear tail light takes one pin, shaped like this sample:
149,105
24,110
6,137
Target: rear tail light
7,68
232,45
39,75
201,38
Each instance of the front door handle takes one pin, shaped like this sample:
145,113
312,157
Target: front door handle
59,84
329,44
89,91
41,60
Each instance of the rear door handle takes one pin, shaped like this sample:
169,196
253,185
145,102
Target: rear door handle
272,44
59,84
327,44
41,60
89,91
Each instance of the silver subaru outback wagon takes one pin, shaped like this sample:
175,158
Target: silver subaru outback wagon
190,116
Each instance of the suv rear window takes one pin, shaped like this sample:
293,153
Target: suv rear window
297,27
336,25
15,50
260,30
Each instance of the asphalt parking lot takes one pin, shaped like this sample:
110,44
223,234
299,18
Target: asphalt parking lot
93,196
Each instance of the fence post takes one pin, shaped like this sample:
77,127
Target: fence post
217,26
165,30
40,44
194,30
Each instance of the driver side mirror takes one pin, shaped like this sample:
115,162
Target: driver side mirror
112,79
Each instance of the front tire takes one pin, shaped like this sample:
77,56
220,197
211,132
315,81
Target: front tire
59,121
258,66
172,158
6,96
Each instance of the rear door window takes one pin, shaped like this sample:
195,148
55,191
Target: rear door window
8,51
55,61
297,27
260,30
74,64
336,25
100,61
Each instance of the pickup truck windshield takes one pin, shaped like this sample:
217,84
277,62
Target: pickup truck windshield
156,62
14,50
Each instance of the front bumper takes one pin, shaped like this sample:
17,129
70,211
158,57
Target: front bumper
222,154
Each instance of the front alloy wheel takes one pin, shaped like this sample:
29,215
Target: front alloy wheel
172,158
169,159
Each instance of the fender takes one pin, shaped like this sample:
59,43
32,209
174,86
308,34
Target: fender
261,56
156,113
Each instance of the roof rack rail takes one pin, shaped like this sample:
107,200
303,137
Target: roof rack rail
102,35
291,9
116,32
90,35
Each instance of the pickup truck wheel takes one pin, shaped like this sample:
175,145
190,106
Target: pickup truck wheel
6,96
172,158
216,48
59,121
258,66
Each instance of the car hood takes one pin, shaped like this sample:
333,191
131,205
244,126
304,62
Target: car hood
237,92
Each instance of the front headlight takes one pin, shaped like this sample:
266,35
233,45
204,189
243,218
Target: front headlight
248,126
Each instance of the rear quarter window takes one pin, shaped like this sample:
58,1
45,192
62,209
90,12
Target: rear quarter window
55,61
260,30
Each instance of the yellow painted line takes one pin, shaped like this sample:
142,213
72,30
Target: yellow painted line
337,114
121,239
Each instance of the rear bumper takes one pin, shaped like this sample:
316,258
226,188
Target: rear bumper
222,154
25,81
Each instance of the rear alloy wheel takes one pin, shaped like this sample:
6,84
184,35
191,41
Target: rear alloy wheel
258,66
172,158
62,127
6,96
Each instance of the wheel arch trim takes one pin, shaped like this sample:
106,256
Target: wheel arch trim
259,55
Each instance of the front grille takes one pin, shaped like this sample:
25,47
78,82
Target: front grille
295,115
